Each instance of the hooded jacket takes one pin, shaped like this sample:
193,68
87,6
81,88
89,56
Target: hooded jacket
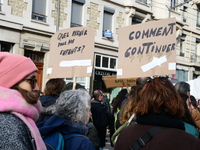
48,107
65,127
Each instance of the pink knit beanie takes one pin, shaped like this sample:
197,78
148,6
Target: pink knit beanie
13,68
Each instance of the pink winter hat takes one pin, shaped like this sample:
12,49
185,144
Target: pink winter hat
13,68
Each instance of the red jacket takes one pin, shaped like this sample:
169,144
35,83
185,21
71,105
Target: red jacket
166,139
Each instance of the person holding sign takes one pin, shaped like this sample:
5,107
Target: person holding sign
159,107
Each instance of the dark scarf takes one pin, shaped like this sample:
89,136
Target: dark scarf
160,119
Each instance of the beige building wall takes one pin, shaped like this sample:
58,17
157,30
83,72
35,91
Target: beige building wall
17,26
185,62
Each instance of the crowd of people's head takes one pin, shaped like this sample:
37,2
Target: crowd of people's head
151,100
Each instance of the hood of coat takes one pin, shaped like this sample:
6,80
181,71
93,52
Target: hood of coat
47,100
62,125
48,104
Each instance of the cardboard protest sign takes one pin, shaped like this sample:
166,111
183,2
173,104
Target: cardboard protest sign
147,49
71,53
113,82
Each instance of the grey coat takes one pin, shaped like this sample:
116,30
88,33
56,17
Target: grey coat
14,133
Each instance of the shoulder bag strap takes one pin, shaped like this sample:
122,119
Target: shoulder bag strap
141,142
131,118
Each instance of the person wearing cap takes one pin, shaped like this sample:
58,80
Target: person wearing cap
19,105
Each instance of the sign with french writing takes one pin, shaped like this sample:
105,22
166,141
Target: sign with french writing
113,82
147,49
71,53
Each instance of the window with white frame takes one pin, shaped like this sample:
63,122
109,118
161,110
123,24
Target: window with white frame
142,1
76,13
79,80
197,46
136,20
39,10
6,47
195,57
105,61
1,5
173,4
182,75
198,15
107,20
184,13
182,45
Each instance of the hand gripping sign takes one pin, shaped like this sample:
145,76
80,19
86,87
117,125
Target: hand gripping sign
147,49
71,53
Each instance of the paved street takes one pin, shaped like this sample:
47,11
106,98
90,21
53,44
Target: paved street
108,147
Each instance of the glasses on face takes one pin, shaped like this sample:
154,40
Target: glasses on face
32,82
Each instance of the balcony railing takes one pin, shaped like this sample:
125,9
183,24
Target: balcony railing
75,25
195,58
182,54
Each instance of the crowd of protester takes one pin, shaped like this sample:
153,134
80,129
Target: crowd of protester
163,116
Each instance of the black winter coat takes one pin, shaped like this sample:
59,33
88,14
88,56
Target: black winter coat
100,120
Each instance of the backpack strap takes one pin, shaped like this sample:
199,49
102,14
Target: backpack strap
141,142
72,135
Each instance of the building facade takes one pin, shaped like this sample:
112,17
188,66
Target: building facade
26,27
187,14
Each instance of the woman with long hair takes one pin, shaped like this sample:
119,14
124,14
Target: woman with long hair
195,112
128,108
159,105
190,125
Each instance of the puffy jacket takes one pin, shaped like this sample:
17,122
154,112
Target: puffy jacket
65,127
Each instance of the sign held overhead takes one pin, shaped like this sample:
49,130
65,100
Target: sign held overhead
113,82
71,53
147,49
